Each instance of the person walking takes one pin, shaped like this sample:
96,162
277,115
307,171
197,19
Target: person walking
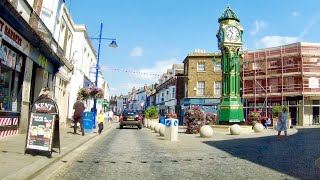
282,123
78,109
110,115
100,121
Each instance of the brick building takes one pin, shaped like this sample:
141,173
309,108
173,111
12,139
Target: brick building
203,84
286,75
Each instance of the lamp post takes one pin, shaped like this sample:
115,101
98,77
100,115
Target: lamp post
113,44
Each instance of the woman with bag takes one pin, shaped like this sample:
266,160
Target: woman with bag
282,123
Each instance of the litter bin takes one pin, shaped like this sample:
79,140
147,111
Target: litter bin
171,129
88,121
162,120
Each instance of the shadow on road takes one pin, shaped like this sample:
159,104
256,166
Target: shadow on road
298,156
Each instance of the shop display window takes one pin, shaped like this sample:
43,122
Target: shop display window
10,90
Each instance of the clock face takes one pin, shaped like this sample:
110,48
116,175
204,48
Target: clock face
233,33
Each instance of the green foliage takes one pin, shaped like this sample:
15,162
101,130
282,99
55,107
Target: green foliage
152,113
277,109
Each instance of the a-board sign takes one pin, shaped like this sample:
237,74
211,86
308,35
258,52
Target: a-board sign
43,128
40,135
45,105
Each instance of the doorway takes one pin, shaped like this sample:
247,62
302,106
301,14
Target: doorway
315,112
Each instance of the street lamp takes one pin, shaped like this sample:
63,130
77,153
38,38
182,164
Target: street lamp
113,44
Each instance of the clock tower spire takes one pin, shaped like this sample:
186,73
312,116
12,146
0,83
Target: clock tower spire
229,42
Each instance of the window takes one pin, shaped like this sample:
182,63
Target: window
167,96
200,88
217,88
217,66
201,66
173,93
10,80
162,98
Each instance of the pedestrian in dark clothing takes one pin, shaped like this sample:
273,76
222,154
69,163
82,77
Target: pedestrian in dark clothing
45,93
78,109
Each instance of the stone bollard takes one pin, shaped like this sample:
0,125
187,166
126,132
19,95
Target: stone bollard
235,129
206,131
258,127
162,130
157,127
153,124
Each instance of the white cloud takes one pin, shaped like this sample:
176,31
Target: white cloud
258,26
136,52
295,13
313,20
272,41
158,68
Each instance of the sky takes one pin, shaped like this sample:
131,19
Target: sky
154,34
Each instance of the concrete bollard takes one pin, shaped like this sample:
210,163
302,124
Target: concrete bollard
171,130
162,130
206,131
157,128
258,127
153,124
235,129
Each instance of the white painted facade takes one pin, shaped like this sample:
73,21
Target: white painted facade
83,57
141,99
166,96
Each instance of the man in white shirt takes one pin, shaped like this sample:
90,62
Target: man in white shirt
110,115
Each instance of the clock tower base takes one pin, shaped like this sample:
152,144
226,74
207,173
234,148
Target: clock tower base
231,112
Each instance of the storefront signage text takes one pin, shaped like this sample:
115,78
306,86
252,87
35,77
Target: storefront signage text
43,62
43,106
8,31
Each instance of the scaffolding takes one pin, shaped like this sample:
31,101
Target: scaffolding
276,76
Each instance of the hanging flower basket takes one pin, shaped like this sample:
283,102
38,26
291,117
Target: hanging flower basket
90,93
84,93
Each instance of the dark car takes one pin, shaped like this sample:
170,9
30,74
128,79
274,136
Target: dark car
130,118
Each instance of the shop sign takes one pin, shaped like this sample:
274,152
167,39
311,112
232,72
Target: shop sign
43,62
12,37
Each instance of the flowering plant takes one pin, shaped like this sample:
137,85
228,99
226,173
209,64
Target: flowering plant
96,92
196,118
84,93
254,117
90,92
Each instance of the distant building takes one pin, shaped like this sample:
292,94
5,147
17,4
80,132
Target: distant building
166,90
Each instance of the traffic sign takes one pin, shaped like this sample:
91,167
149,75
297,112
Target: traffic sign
175,123
168,123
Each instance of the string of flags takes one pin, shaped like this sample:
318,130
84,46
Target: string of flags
144,73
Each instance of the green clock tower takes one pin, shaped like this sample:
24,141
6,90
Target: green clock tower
229,42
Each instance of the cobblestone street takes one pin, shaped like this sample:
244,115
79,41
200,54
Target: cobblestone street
142,154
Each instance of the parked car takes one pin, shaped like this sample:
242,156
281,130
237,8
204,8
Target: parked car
130,118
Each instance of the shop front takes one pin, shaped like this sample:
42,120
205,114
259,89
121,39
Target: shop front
205,104
13,52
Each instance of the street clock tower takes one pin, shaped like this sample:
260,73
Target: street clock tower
229,42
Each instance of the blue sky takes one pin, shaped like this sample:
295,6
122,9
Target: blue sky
154,34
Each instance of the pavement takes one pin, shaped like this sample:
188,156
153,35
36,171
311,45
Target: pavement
17,165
